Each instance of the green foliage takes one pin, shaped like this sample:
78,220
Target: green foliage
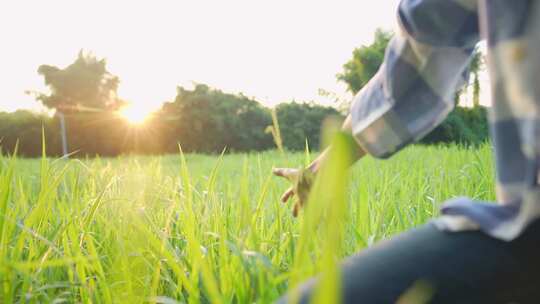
207,229
467,126
365,62
24,128
85,83
200,120
86,93
238,125
477,64
209,120
300,122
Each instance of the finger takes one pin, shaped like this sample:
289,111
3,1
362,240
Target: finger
296,209
287,195
279,171
285,172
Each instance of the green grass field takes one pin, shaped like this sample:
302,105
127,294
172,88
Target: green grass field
206,229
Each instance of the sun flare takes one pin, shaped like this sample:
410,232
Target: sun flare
135,114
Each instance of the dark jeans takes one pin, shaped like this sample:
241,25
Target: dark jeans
464,267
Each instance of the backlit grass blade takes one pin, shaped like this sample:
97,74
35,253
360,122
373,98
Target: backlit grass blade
6,179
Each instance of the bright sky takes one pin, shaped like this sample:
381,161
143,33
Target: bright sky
274,50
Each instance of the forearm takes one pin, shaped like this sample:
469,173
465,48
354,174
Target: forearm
356,155
358,152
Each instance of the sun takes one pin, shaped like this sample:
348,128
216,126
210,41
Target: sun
135,114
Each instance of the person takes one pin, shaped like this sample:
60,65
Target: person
475,252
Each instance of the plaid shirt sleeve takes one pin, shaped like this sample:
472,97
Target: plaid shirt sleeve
425,63
414,88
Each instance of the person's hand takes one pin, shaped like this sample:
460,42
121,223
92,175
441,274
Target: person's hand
302,180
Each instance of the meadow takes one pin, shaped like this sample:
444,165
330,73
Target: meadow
207,229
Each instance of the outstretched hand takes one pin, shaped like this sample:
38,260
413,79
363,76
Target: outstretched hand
301,180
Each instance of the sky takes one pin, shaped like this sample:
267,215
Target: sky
275,51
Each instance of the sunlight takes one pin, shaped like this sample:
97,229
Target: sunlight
135,114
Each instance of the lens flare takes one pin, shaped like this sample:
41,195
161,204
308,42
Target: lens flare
135,114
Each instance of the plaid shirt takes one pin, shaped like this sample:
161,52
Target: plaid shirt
413,92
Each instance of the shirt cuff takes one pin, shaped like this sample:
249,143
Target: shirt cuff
375,126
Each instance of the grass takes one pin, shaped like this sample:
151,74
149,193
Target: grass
207,229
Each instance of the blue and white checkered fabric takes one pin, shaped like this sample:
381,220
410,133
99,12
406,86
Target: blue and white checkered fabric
414,91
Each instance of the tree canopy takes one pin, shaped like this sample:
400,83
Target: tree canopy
85,83
209,120
201,119
301,123
365,62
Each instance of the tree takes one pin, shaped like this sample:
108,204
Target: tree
209,120
477,65
85,94
468,126
301,122
25,129
365,62
85,83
